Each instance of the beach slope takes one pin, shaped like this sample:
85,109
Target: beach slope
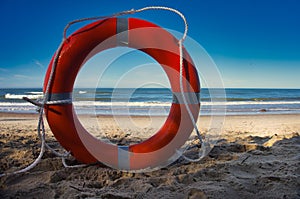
255,156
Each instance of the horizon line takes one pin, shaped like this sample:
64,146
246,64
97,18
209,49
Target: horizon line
154,88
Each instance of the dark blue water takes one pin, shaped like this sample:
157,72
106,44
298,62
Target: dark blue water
157,101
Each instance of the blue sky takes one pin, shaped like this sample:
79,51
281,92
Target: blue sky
254,43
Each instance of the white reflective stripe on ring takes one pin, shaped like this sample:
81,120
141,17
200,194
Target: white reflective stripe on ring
57,97
123,158
122,32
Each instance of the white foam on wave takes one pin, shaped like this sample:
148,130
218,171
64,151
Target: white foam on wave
140,104
23,107
14,96
35,92
96,103
252,103
135,104
19,104
142,108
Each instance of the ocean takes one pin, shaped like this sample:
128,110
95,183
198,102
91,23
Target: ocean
157,101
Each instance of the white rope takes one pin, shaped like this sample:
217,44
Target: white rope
187,105
63,159
41,127
126,12
169,9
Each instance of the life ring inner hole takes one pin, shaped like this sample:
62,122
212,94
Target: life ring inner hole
122,96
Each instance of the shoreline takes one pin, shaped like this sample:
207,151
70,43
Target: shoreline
103,115
255,124
144,127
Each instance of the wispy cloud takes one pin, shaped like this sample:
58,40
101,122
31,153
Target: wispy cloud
38,63
18,76
3,70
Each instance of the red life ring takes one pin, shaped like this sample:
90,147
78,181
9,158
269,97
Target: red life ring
137,34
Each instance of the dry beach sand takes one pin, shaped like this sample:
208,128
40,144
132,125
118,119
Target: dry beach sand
256,156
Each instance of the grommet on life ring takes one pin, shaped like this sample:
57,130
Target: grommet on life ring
150,39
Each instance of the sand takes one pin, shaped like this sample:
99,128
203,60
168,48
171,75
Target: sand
256,156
